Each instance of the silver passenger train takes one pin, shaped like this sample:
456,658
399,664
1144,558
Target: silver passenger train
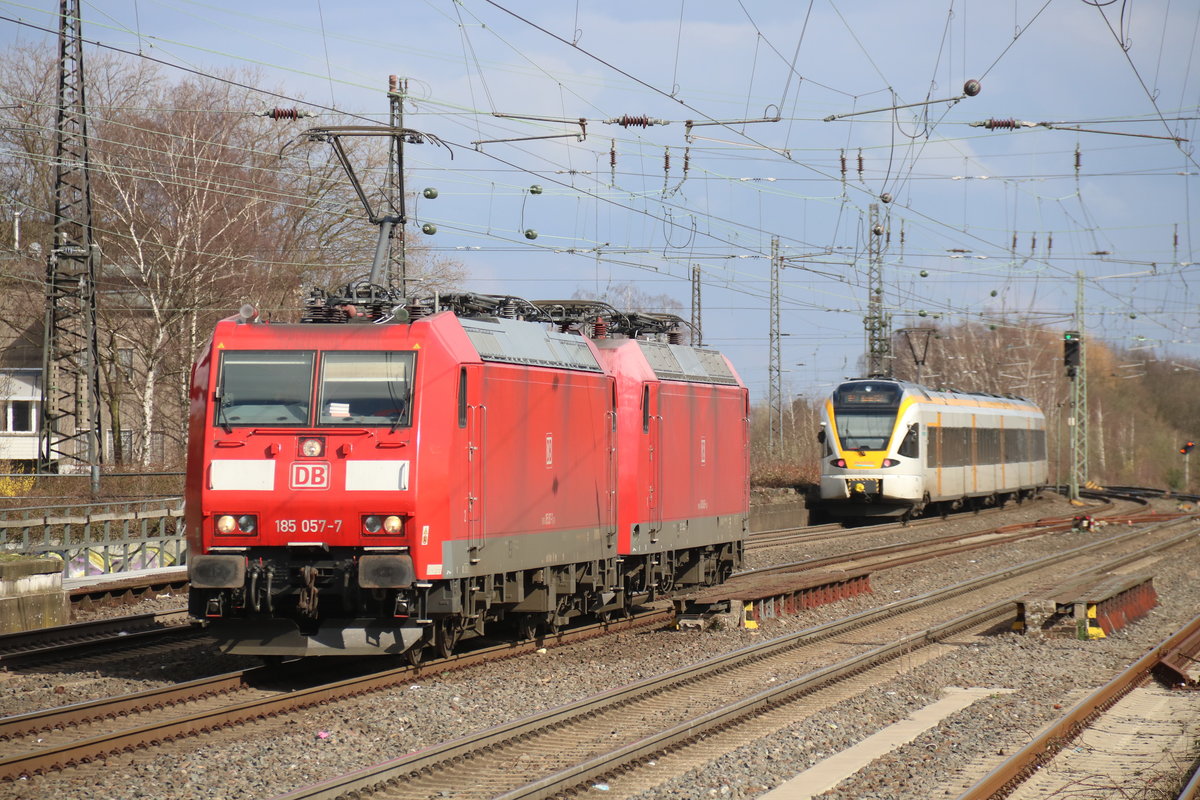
893,448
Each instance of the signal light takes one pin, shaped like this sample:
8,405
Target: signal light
1071,342
1187,447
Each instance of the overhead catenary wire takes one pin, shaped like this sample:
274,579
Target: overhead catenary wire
950,229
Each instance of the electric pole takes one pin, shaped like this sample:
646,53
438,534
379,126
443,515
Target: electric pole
878,323
391,212
394,189
697,329
1075,360
775,366
69,430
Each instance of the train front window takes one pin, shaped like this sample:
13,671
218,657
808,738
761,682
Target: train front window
866,413
859,431
263,388
372,389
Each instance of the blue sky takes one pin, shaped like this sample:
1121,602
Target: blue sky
960,194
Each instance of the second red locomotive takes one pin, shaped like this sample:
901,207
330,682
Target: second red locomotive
383,479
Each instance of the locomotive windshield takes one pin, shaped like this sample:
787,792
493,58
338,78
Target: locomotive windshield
264,388
369,388
865,414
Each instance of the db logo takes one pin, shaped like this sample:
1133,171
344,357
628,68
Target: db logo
310,476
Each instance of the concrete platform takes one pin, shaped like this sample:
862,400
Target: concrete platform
125,587
31,593
1088,608
752,598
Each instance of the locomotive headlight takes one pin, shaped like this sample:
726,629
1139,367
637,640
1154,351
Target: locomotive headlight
373,523
392,524
247,523
312,447
889,462
226,524
840,463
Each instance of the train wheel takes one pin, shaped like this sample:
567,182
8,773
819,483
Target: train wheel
415,655
446,635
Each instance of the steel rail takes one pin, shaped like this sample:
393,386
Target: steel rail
782,537
1019,530
378,777
42,643
1191,790
1005,778
13,767
695,729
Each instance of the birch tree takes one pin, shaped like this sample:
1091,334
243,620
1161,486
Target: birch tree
200,204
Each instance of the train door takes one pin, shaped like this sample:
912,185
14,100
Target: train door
611,455
652,427
472,415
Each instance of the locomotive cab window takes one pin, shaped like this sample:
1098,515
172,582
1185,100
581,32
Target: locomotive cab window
371,389
263,388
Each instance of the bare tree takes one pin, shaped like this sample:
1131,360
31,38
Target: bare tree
631,297
200,205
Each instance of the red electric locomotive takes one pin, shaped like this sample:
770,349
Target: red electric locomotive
382,477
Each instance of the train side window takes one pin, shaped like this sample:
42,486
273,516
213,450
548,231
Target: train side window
462,398
646,409
911,446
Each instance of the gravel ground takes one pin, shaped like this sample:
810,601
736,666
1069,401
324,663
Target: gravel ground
279,755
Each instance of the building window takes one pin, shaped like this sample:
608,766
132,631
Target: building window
125,362
20,416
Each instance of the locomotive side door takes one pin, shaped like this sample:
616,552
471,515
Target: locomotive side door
472,415
652,427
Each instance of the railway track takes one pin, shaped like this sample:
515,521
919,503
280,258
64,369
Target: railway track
1090,749
787,537
608,738
53,739
896,555
87,638
186,716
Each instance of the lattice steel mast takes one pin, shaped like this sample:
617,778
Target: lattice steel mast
394,188
775,366
1078,422
878,323
69,430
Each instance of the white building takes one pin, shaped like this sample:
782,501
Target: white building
20,406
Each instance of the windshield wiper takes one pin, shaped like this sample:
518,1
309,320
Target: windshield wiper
219,396
400,412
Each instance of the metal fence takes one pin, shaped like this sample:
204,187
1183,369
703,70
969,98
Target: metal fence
100,538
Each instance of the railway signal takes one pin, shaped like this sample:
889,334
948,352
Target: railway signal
1071,344
1185,451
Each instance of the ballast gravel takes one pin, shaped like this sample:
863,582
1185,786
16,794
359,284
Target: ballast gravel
279,755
